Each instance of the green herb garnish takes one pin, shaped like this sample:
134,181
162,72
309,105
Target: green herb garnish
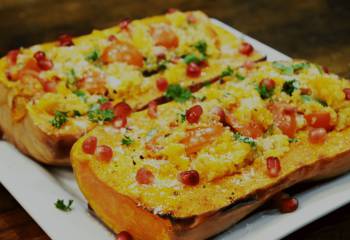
201,46
250,141
264,92
102,100
71,78
293,140
76,113
59,119
62,206
127,140
183,117
289,70
290,86
227,72
191,58
99,115
93,56
239,77
178,93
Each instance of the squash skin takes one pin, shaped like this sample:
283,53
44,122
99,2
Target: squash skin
208,223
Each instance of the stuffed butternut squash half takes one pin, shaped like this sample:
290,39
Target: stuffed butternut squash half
53,93
190,168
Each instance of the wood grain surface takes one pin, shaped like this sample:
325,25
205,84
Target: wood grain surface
316,30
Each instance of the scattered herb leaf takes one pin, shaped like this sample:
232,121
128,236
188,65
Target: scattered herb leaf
244,139
239,77
76,113
227,72
178,93
62,206
99,115
191,58
183,117
93,56
102,100
322,102
59,119
290,86
201,46
127,140
293,140
264,92
71,78
288,70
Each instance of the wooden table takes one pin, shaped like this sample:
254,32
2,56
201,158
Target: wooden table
317,30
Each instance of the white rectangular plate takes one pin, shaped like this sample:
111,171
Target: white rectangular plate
37,188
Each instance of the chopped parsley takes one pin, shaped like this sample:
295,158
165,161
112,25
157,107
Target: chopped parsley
102,100
178,93
201,46
62,206
93,56
227,72
127,140
290,69
264,92
191,58
183,117
99,115
239,77
80,94
290,86
71,78
76,113
250,141
293,140
307,98
59,119
322,102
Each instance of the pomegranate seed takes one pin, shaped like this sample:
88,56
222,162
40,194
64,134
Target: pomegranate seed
12,56
249,65
106,106
193,70
65,40
305,91
189,178
45,64
49,86
218,111
39,55
203,64
119,122
347,93
89,145
124,24
161,56
152,109
104,153
288,204
144,176
325,69
162,84
268,83
172,10
273,166
246,49
124,235
122,110
194,113
317,135
112,38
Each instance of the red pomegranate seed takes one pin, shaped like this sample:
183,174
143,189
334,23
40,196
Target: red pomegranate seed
152,109
246,49
119,122
12,56
249,65
106,106
219,112
112,38
39,55
122,110
45,64
89,145
161,56
189,178
347,93
162,84
104,153
172,10
194,113
268,83
203,64
305,91
273,166
325,69
193,70
144,176
317,135
124,235
288,204
65,40
49,86
124,24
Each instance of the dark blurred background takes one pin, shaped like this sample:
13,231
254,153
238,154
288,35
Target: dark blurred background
316,30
